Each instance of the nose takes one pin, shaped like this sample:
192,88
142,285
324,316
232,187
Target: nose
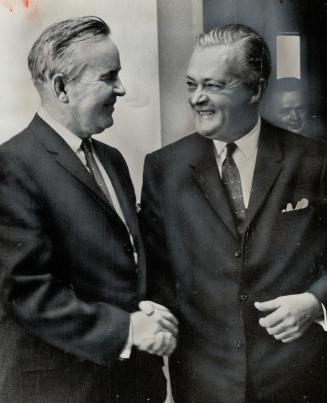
198,96
119,88
294,115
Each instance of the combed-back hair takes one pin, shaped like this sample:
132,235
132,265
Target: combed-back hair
53,52
255,56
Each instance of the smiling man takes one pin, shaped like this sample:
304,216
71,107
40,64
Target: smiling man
234,222
72,261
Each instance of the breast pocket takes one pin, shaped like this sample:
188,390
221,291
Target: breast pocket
294,216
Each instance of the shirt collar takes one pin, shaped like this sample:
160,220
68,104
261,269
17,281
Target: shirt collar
70,138
247,144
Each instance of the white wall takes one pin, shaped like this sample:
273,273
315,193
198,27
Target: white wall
179,21
134,28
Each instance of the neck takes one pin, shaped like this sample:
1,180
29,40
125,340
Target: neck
62,116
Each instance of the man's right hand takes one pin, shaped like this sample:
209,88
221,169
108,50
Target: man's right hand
155,329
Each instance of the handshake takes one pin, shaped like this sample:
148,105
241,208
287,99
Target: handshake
154,329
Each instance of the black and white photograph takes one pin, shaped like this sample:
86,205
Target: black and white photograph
163,201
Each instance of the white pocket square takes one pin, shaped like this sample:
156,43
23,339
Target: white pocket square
301,204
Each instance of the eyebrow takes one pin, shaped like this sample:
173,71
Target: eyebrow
109,72
222,82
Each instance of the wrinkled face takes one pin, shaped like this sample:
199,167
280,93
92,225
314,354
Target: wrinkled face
222,104
291,111
92,95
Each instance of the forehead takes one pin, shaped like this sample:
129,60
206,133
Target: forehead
99,53
214,62
291,99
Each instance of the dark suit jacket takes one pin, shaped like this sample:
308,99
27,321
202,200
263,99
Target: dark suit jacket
210,278
68,275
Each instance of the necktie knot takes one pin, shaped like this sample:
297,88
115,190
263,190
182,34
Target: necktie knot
231,147
86,146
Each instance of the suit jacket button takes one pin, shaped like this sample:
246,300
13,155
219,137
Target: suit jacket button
237,253
238,344
243,297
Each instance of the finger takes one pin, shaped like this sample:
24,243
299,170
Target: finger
165,343
270,305
168,316
172,346
166,325
286,335
282,327
160,307
168,344
161,350
147,307
158,344
146,345
272,320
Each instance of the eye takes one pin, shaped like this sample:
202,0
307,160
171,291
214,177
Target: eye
214,87
191,85
112,76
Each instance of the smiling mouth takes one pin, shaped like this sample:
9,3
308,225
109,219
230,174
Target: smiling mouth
204,113
295,125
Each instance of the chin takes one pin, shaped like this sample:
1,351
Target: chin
105,126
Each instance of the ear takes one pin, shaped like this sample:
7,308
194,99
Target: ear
258,91
58,88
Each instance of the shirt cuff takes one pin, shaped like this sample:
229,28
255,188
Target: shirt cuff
323,322
127,350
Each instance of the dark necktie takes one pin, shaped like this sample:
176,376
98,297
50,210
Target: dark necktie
232,181
94,169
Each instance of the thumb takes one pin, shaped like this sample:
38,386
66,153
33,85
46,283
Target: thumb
146,307
270,305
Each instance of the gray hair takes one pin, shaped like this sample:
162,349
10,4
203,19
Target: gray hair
53,51
256,63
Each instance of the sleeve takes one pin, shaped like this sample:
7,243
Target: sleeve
161,282
323,322
44,305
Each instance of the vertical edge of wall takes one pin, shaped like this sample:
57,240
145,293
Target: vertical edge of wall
179,21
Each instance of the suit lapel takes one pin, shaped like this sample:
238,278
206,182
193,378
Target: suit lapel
207,176
64,155
122,185
267,169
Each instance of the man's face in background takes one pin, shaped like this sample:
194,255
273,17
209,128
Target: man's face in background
290,111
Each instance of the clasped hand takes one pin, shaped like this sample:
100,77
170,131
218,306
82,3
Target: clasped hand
154,329
290,315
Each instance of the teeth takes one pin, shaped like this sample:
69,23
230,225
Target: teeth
205,113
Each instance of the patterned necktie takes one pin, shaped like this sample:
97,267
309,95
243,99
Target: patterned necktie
232,181
94,169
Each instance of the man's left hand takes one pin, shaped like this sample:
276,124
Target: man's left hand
290,315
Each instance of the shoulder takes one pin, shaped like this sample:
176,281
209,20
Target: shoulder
106,151
293,144
21,147
187,149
